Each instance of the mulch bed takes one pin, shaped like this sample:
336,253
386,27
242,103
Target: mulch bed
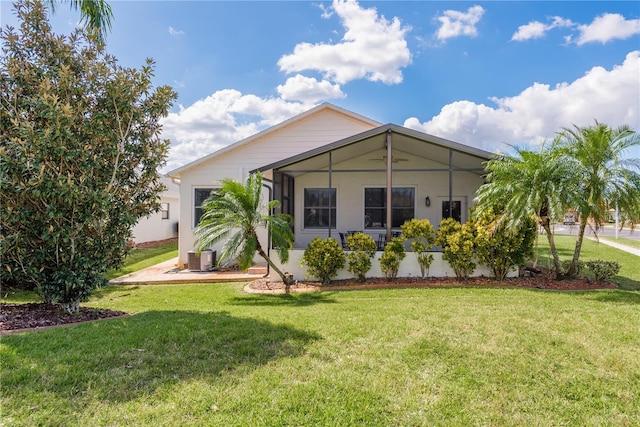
537,282
38,315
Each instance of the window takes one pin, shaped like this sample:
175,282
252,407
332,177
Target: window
200,195
455,212
319,207
375,206
164,210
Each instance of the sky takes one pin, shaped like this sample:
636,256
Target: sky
491,75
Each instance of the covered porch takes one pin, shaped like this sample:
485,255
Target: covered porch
374,181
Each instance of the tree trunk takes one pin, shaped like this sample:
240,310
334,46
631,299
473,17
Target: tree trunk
286,278
573,268
552,247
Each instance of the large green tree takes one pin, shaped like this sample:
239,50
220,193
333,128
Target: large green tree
529,184
234,214
79,155
607,173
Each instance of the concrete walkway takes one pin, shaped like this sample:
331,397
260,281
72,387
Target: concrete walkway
167,273
616,245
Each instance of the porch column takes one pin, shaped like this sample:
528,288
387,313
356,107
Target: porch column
330,205
450,183
389,183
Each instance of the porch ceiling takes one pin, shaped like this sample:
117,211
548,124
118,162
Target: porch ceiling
419,145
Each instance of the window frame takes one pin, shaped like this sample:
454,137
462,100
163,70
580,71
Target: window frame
383,215
164,210
331,207
197,209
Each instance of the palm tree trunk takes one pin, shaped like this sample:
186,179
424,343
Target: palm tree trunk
286,278
552,247
573,268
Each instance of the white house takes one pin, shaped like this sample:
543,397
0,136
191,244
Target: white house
161,225
335,171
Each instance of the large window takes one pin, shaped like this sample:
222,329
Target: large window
319,207
199,196
375,206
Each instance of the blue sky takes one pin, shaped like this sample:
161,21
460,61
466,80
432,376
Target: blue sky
486,74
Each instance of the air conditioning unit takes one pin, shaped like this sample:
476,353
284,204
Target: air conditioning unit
203,262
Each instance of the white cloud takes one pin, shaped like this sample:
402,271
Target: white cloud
309,90
371,48
536,29
540,111
175,32
608,27
455,24
221,119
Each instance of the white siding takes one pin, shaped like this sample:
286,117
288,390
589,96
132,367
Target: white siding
310,132
154,227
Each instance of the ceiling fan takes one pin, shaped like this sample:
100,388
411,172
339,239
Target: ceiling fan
394,159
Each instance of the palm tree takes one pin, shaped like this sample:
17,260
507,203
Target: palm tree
607,178
96,14
526,185
235,213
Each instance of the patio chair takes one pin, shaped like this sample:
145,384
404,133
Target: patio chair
344,241
382,241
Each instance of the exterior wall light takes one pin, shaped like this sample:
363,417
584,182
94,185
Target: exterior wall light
427,201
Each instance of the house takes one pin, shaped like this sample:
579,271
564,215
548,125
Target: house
336,171
161,225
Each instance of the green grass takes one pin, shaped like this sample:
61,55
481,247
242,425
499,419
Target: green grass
137,259
210,355
629,276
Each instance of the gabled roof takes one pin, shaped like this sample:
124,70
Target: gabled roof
322,107
376,138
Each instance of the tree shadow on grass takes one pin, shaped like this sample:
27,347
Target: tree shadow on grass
617,297
301,299
124,359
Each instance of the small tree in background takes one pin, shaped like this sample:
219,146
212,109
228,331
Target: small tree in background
392,256
323,258
423,236
363,249
79,157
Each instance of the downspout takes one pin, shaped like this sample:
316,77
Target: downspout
389,183
269,229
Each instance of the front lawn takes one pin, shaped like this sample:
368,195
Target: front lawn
211,355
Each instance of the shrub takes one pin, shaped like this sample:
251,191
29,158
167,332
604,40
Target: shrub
363,248
423,235
447,227
392,256
323,258
459,251
603,270
500,248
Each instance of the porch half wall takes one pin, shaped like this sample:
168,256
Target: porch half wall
408,268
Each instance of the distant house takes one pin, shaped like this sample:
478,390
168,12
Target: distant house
161,225
336,171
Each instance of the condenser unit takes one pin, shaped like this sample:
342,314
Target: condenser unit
203,261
